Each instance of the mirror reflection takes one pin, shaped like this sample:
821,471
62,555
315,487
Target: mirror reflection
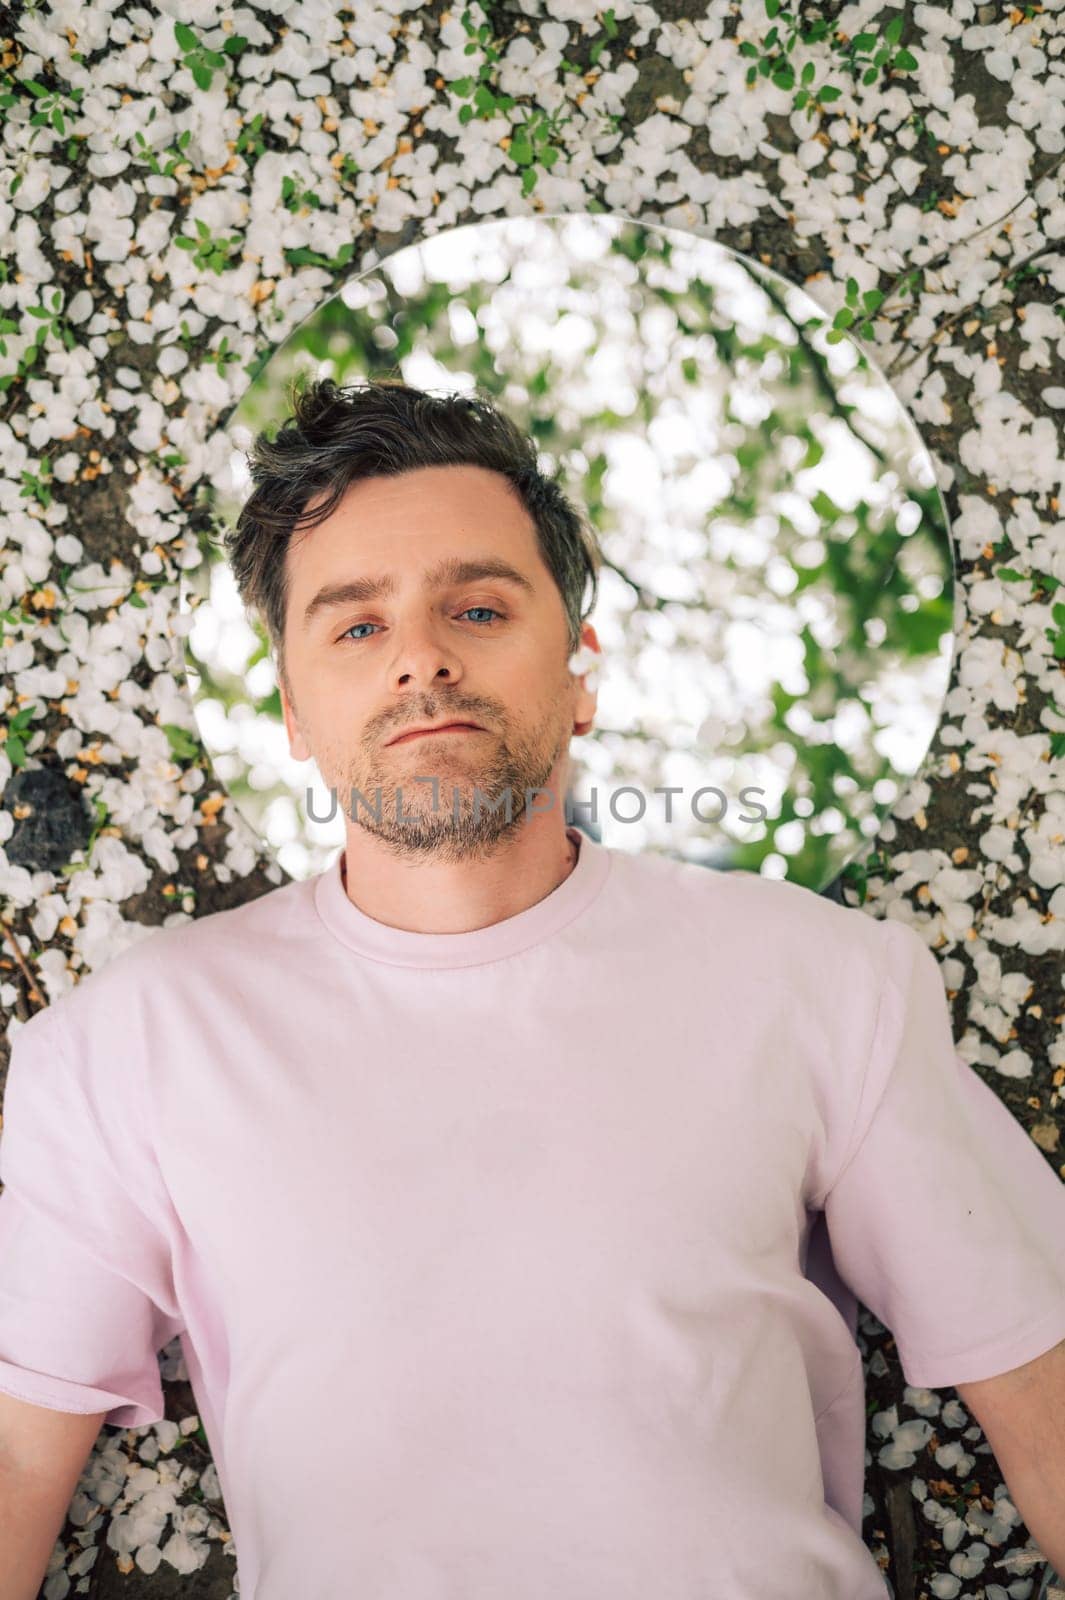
775,600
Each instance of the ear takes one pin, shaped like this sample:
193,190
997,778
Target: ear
586,697
296,743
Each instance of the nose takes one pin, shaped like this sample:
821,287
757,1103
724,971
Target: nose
424,656
406,677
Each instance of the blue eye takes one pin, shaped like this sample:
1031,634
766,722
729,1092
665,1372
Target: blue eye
346,635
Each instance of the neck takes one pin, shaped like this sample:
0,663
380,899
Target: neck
430,896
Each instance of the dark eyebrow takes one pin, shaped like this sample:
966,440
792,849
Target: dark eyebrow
449,572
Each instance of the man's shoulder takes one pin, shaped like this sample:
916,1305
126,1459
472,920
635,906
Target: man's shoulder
189,955
750,916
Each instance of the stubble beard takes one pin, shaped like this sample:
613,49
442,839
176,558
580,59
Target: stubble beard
471,815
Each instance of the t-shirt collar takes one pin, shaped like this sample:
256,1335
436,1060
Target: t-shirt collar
401,947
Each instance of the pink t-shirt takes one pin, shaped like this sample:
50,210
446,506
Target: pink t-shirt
498,1258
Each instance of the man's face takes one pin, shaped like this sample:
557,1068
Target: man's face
486,649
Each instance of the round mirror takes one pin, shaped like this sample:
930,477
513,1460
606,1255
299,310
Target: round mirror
775,603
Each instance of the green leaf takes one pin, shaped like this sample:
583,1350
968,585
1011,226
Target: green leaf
185,36
893,31
182,744
520,152
235,44
270,705
139,601
201,74
302,256
905,61
828,93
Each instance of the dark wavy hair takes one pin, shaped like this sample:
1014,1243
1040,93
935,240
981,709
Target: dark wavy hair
337,436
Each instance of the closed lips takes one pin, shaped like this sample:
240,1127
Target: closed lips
445,727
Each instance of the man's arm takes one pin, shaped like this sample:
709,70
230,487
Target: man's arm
42,1454
1022,1413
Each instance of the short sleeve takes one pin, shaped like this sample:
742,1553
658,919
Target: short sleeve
86,1291
945,1219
